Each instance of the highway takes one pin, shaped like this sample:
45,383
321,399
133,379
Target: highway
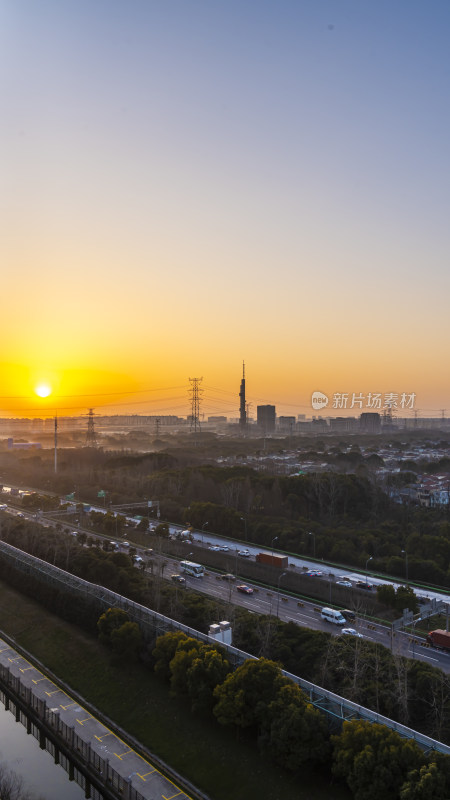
307,614
278,604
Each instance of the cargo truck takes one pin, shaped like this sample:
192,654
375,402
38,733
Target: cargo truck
273,559
439,638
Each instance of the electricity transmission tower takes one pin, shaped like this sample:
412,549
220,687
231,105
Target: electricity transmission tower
195,393
91,439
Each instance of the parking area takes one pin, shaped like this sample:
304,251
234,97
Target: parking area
107,751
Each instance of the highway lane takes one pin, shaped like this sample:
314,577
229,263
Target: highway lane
307,614
207,539
264,601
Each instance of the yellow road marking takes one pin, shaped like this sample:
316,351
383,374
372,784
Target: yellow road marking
144,776
123,754
100,738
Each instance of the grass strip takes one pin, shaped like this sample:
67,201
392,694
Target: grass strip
208,755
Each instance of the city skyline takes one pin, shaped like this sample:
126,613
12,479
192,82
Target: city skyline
190,184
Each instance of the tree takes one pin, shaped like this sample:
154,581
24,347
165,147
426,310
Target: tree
12,786
121,560
187,650
112,619
126,640
386,595
295,733
426,783
406,599
208,669
243,698
373,759
164,651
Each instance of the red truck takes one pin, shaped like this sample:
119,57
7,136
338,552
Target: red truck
273,559
439,638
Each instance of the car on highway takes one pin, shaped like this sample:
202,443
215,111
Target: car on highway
228,577
313,573
364,585
223,548
244,589
178,579
348,584
214,548
351,632
244,553
138,560
349,615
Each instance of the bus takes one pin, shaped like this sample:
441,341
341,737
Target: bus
190,568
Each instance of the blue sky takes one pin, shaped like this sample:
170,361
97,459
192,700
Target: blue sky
243,179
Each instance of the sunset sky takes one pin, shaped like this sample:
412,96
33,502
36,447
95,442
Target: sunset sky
189,183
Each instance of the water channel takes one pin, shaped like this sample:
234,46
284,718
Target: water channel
21,753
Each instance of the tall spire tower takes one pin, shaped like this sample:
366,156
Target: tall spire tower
242,408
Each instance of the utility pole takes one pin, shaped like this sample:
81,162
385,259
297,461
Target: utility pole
195,404
56,442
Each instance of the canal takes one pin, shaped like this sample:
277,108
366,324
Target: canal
21,753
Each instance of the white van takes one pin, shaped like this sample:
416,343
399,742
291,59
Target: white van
331,615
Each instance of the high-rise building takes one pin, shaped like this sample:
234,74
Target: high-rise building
370,422
265,417
286,424
242,409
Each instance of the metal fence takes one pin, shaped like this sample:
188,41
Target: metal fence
47,721
155,623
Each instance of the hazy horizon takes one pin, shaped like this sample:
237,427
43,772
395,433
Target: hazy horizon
190,184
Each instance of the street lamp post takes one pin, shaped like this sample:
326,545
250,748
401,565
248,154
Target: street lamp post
275,539
310,533
244,520
278,591
369,559
203,529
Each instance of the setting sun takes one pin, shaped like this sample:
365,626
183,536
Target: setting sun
43,390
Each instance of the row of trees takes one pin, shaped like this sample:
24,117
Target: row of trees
411,691
256,699
350,514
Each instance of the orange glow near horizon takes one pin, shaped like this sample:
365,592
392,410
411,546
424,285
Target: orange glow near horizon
272,203
284,381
